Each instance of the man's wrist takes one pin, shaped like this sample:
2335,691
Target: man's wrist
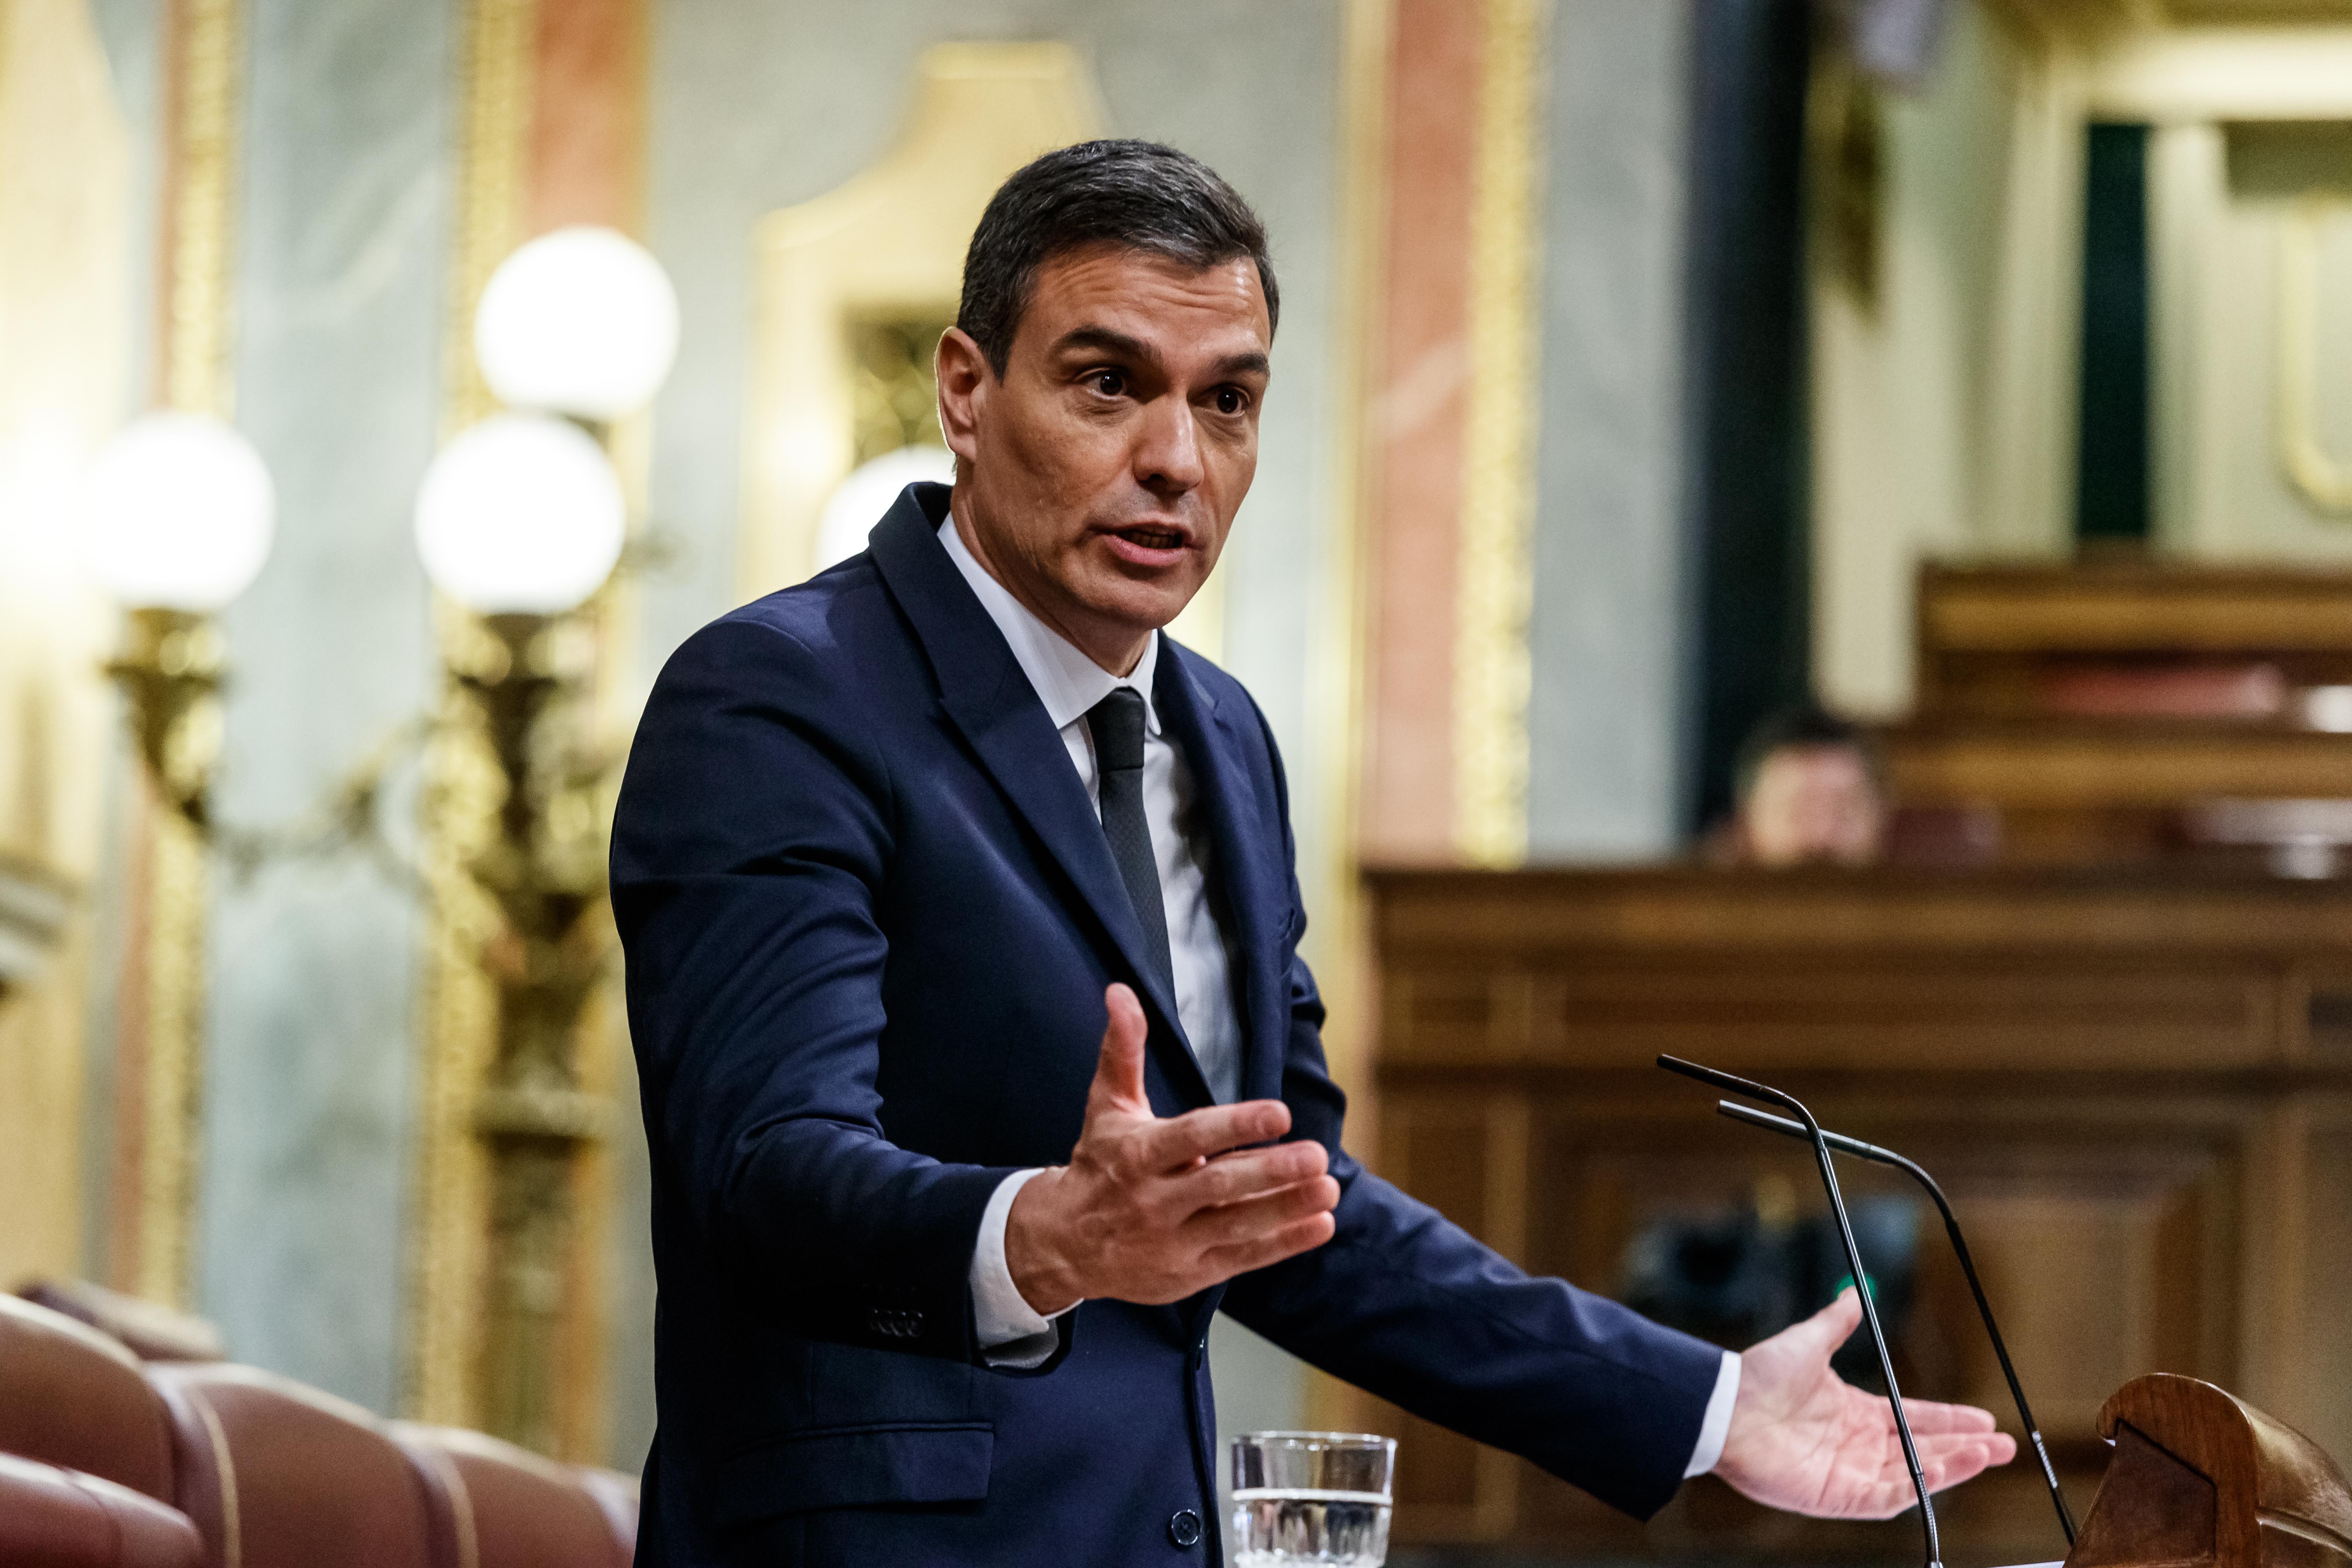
1039,1274
1715,1424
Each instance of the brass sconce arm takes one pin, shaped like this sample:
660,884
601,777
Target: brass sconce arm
170,670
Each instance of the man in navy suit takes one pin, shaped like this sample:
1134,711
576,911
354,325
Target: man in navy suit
979,1065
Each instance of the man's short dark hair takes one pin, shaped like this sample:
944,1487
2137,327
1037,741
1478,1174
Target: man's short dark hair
1133,196
1803,728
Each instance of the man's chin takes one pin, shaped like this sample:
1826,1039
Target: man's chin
1145,606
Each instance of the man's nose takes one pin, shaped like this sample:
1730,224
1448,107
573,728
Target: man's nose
1167,448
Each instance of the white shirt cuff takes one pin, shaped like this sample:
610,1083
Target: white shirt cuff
1011,1332
1712,1430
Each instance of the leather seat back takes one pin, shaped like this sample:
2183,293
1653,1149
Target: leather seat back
276,1475
148,1330
72,1397
494,1505
51,1518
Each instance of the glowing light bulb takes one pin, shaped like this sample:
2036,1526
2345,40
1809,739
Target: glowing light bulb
521,514
177,513
583,321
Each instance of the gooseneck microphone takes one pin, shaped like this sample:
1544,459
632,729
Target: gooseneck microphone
1747,1090
1863,1150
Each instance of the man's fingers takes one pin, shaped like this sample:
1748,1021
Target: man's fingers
1943,1463
1835,1323
1290,1241
1173,1144
1238,1223
1927,1416
1964,1459
1802,1348
1119,1072
1245,1173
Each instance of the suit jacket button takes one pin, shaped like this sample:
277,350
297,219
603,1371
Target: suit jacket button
911,1324
1184,1529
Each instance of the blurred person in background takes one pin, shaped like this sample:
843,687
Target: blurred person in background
1808,789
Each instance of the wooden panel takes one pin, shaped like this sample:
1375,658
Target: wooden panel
1808,1015
2100,1070
2077,609
1475,925
2094,714
2323,1381
1811,1015
2082,765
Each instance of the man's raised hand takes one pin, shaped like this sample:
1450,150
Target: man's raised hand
1151,1210
1804,1439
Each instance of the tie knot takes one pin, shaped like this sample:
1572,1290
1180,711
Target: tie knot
1117,724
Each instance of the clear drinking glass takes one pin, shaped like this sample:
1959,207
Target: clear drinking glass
1311,1497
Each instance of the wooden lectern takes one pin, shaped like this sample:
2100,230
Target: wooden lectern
2200,1478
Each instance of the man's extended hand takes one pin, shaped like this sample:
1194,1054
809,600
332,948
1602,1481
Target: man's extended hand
1804,1439
1150,1210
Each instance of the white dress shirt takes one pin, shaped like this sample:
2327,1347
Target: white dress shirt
1069,683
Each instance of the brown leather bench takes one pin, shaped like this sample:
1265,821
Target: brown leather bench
53,1517
493,1505
72,1397
276,1475
107,1462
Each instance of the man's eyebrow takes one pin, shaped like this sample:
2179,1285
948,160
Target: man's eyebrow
1103,339
1106,341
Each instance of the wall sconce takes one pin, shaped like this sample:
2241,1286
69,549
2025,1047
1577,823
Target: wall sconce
521,519
177,515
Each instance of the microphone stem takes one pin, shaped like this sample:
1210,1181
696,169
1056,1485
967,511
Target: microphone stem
1812,1130
1878,1342
1918,1174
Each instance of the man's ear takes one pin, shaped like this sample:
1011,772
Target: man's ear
964,380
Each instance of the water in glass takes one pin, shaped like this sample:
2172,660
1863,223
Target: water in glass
1318,1498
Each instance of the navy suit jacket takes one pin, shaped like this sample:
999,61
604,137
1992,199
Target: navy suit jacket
869,914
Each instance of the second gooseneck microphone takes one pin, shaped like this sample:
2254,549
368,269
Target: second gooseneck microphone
1747,1090
1863,1150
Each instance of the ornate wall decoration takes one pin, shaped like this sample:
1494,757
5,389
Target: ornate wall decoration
506,1311
893,388
449,1236
160,1067
1496,588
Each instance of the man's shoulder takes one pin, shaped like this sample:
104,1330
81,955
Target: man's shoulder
838,621
838,605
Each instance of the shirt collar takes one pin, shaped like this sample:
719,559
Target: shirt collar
1066,681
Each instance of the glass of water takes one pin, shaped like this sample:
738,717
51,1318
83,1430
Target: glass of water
1311,1497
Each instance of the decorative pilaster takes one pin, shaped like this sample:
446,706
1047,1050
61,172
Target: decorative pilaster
160,1073
1495,583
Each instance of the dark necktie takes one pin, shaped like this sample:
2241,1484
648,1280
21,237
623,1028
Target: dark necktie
1117,723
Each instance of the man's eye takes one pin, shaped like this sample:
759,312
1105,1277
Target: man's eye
1230,400
1110,383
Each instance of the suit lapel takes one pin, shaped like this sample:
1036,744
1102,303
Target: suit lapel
1253,883
990,701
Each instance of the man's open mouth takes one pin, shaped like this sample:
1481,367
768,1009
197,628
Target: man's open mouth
1149,537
